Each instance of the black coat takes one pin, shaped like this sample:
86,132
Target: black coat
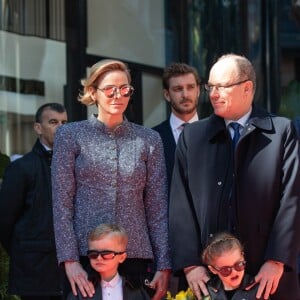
26,226
268,195
165,131
216,289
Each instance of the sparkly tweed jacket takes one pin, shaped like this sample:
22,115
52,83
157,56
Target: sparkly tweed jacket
100,175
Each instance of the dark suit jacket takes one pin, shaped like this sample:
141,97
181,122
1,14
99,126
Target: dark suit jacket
166,134
296,122
268,195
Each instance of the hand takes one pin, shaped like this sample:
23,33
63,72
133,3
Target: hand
77,276
160,283
268,278
197,277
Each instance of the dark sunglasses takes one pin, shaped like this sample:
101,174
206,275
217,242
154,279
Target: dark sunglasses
112,91
226,271
105,254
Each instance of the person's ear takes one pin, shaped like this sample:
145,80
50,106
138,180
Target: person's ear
37,128
122,257
199,91
248,86
167,95
243,255
212,269
92,92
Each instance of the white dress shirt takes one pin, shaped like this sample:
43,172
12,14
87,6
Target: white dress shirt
242,122
176,124
112,290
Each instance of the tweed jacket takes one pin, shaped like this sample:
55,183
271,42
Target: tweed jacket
110,176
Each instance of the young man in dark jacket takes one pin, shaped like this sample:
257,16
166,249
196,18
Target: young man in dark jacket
26,226
181,88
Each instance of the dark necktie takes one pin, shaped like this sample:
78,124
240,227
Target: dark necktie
236,135
50,153
183,125
232,201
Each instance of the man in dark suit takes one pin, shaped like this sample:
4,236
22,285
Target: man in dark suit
26,225
181,88
248,185
296,122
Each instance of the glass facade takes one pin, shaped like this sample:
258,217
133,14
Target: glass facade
32,67
290,59
46,47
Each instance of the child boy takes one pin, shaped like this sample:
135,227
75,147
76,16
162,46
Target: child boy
107,249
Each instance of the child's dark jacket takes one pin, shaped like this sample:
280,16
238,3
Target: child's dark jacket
216,289
129,292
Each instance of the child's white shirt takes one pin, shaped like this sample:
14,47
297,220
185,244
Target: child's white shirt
112,290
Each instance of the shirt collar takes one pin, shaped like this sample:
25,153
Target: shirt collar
112,283
46,147
242,121
175,122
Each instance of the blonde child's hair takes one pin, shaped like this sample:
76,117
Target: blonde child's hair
218,244
109,229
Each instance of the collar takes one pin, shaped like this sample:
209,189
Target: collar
121,128
259,118
112,283
176,122
217,284
39,148
242,121
46,147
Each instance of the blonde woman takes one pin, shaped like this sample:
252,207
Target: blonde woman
108,170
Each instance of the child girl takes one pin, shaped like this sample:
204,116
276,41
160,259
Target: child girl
224,257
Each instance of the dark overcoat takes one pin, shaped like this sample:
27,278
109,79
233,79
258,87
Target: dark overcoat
267,193
26,225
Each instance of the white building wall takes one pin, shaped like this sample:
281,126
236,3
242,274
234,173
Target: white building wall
132,30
